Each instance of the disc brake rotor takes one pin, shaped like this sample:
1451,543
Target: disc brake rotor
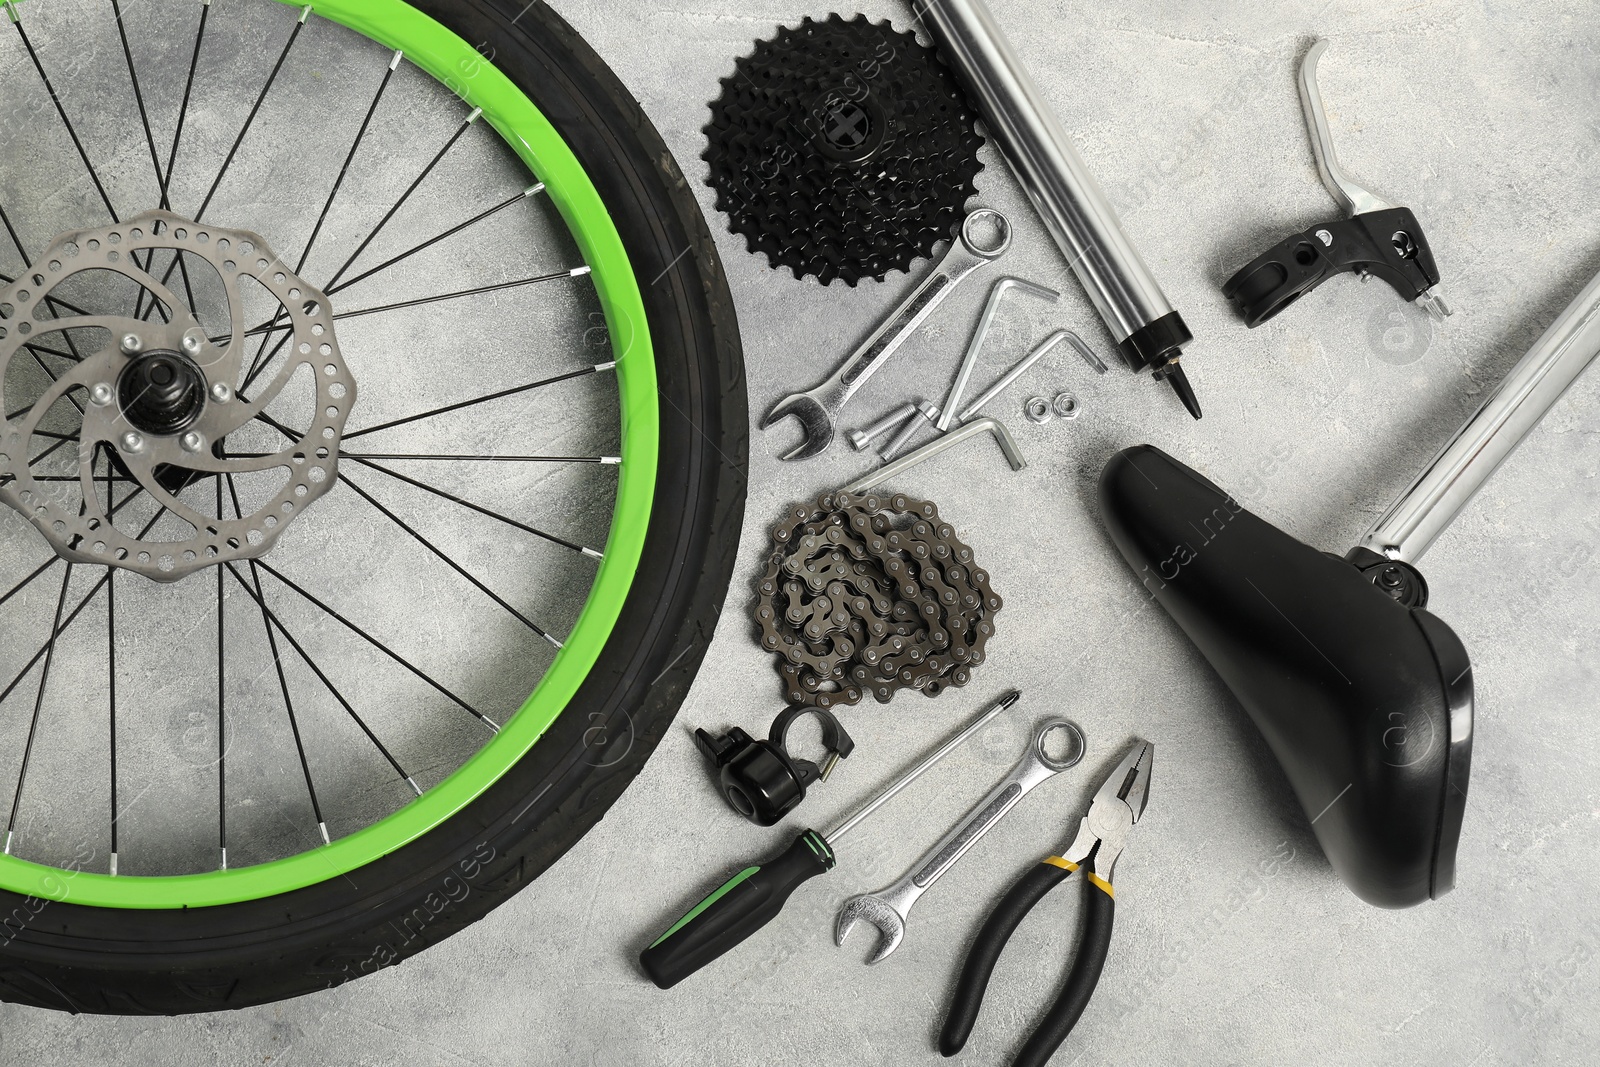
162,397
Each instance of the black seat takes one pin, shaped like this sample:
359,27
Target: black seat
1367,703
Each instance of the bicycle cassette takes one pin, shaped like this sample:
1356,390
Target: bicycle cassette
842,150
871,593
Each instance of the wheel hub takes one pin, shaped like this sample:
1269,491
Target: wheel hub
162,393
161,397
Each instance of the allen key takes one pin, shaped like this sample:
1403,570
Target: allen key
1039,352
968,363
939,445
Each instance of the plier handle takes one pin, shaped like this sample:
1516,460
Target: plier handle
1101,834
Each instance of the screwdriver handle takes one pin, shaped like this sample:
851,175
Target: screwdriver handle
735,910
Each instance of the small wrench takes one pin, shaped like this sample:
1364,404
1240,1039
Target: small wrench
818,408
889,908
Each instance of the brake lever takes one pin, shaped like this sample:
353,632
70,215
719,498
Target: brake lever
1379,238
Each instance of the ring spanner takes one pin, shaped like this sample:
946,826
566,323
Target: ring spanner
818,408
889,908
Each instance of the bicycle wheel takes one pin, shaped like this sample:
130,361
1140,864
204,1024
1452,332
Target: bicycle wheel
374,449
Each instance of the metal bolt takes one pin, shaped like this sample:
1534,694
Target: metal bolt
925,416
1065,405
860,439
132,443
101,394
1038,410
193,341
221,393
132,344
192,441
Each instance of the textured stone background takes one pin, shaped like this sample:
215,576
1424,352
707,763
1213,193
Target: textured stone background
1235,942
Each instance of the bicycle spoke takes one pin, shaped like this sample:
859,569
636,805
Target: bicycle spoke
283,680
379,645
258,365
11,231
255,109
54,377
222,708
609,461
56,100
138,94
64,440
269,328
59,438
20,586
111,682
38,704
530,191
51,302
436,491
249,121
575,272
309,662
53,560
48,648
405,196
33,346
172,157
327,206
183,109
452,564
513,391
349,158
55,304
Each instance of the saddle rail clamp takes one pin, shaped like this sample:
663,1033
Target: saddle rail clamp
889,909
818,408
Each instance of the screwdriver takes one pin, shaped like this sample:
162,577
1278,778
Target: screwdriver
754,897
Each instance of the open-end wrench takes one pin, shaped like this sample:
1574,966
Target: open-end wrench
889,908
818,408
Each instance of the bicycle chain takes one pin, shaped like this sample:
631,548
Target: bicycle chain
869,592
842,149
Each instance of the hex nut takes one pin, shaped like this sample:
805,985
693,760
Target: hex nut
1038,410
1066,405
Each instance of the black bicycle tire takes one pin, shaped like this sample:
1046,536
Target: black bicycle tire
64,956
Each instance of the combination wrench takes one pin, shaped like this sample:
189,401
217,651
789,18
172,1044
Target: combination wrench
889,908
818,408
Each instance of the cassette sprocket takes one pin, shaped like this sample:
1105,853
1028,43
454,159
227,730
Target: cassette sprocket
843,149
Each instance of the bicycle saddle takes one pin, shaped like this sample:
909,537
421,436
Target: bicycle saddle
1363,695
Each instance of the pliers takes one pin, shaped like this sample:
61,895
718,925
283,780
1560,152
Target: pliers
1102,833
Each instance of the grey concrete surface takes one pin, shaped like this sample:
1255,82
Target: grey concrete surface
1235,942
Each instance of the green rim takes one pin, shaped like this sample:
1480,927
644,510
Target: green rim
434,49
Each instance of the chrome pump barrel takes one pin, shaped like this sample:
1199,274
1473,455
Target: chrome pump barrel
1148,332
1415,520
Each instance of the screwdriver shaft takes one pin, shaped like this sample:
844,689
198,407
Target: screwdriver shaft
982,720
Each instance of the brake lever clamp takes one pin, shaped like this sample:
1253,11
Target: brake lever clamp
760,779
1379,239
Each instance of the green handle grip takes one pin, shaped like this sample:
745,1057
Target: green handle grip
738,908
